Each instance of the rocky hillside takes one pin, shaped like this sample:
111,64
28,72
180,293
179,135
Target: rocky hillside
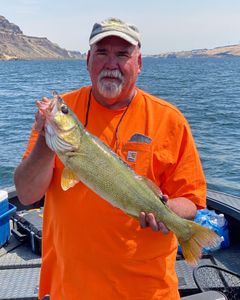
15,45
232,50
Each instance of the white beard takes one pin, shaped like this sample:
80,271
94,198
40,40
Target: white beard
108,88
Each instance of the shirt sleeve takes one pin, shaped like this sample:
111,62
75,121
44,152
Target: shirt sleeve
183,175
31,143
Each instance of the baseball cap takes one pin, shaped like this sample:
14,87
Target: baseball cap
115,27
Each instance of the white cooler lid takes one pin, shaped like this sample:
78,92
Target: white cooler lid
3,195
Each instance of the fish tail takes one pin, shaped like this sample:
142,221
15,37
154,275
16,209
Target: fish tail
200,237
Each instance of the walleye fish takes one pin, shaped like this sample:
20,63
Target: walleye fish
89,160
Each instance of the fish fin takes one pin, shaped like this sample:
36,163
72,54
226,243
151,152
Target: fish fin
201,237
68,179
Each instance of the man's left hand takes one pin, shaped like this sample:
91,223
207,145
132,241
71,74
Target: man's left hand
149,220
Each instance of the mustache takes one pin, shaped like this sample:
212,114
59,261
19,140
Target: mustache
111,73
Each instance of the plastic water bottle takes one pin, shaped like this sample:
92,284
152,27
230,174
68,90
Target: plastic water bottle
221,220
223,225
220,225
215,222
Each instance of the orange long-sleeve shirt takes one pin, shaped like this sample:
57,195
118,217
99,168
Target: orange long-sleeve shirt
92,250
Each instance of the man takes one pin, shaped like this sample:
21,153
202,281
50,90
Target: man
92,250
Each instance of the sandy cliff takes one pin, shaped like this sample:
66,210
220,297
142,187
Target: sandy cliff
15,45
231,51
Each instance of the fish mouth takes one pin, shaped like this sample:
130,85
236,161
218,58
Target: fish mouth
49,108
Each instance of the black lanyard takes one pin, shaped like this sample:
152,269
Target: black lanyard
120,121
88,108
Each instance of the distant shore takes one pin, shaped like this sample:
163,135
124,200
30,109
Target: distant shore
15,45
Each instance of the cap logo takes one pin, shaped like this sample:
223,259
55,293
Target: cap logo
113,22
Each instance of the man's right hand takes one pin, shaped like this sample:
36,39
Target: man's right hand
39,122
33,175
40,118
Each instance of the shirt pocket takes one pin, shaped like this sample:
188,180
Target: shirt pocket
138,156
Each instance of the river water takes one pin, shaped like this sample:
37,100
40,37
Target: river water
206,90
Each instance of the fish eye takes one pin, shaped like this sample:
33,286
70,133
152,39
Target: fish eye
64,109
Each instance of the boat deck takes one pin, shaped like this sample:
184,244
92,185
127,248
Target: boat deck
19,271
20,267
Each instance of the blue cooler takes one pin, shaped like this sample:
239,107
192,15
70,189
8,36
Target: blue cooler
6,209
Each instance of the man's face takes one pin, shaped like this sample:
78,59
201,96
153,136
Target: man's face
114,65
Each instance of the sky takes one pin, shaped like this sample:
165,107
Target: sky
165,25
